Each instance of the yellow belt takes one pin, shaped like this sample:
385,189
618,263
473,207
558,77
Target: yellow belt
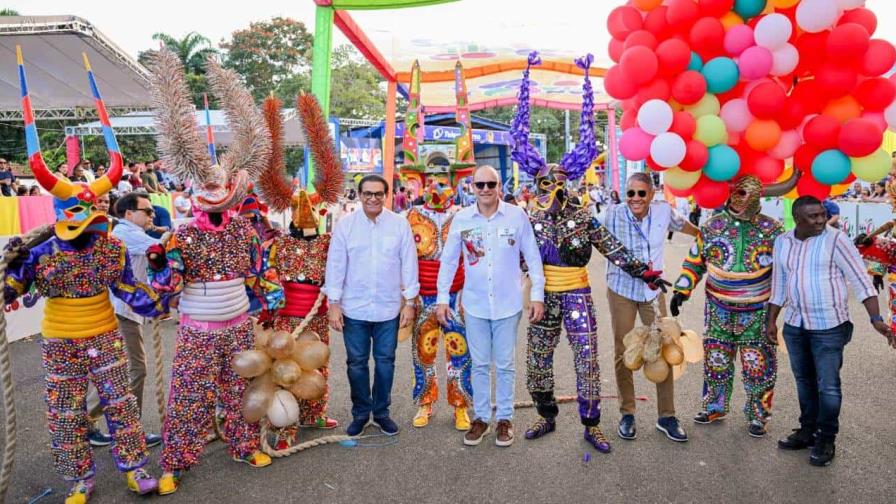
564,278
76,318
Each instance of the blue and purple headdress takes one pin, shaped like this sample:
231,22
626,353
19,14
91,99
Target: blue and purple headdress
575,162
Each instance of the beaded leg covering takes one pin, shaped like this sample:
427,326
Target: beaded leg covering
424,348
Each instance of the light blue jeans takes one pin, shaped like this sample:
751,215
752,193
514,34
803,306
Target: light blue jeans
492,340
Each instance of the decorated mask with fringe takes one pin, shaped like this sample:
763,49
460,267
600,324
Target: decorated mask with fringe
216,186
438,195
272,185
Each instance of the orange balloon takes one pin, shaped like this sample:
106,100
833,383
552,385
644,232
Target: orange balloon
837,190
762,135
647,5
731,19
788,170
783,4
843,109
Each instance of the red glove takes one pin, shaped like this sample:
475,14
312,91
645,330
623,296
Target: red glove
156,257
654,280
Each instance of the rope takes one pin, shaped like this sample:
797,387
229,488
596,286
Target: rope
159,377
31,239
266,447
307,320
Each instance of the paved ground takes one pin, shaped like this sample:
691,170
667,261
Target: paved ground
720,463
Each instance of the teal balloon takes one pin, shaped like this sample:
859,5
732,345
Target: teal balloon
696,63
831,167
721,74
749,8
723,163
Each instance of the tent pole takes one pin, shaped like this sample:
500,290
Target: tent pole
389,139
320,71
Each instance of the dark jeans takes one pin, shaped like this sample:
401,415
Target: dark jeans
816,358
359,336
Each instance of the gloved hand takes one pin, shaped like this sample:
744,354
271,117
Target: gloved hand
654,280
878,282
156,257
863,240
678,299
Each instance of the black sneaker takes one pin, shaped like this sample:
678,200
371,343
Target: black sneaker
800,439
822,453
669,426
152,440
627,429
357,426
705,417
97,438
386,425
756,429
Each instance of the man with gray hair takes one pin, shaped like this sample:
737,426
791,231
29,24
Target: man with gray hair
641,225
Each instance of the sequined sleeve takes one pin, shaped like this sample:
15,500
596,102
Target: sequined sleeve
613,249
262,279
139,296
881,250
19,276
692,269
170,278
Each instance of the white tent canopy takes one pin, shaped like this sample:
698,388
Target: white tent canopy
57,81
143,123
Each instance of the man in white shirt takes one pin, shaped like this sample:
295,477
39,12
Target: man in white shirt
491,234
371,267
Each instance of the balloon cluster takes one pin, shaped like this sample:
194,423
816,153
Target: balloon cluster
283,368
661,348
713,90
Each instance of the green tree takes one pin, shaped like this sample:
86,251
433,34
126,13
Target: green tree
356,90
193,50
9,12
270,53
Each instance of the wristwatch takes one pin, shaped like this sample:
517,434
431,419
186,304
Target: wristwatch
876,318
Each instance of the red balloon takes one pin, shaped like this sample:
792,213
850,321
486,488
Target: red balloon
792,114
681,14
850,179
736,92
707,37
766,100
629,119
835,80
709,193
860,138
618,85
822,132
673,56
695,157
810,96
683,124
624,20
679,193
656,89
615,49
861,16
878,59
689,87
655,22
803,157
639,64
641,38
767,169
812,48
874,94
653,166
848,41
808,186
715,8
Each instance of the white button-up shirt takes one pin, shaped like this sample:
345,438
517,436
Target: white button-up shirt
491,248
371,265
137,242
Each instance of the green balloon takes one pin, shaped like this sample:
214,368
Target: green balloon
710,131
871,168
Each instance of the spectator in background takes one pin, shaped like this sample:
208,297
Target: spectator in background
99,171
78,174
134,175
21,191
87,169
7,179
878,192
832,210
161,222
614,198
401,200
148,177
183,206
34,191
866,194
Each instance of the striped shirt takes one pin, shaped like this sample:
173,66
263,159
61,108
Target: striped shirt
810,279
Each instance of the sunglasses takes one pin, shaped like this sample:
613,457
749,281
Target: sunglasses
482,185
148,211
378,195
641,193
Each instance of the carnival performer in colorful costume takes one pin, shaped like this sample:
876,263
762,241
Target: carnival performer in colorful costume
565,235
882,251
430,223
299,256
734,250
209,262
75,270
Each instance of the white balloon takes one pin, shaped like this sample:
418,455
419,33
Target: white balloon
814,16
850,4
784,60
772,31
284,409
736,115
655,117
890,116
668,149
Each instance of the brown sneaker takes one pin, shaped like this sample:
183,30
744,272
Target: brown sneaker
478,430
504,433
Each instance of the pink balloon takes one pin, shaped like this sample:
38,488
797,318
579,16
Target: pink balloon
755,63
877,118
787,146
752,85
738,39
736,115
784,60
635,144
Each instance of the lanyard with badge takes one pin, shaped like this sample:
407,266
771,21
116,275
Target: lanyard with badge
634,223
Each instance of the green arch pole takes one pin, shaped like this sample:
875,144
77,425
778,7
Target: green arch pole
320,71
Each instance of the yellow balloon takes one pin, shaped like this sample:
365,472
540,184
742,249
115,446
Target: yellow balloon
731,19
871,168
679,179
708,105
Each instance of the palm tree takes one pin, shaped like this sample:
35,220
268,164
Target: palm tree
9,12
193,49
